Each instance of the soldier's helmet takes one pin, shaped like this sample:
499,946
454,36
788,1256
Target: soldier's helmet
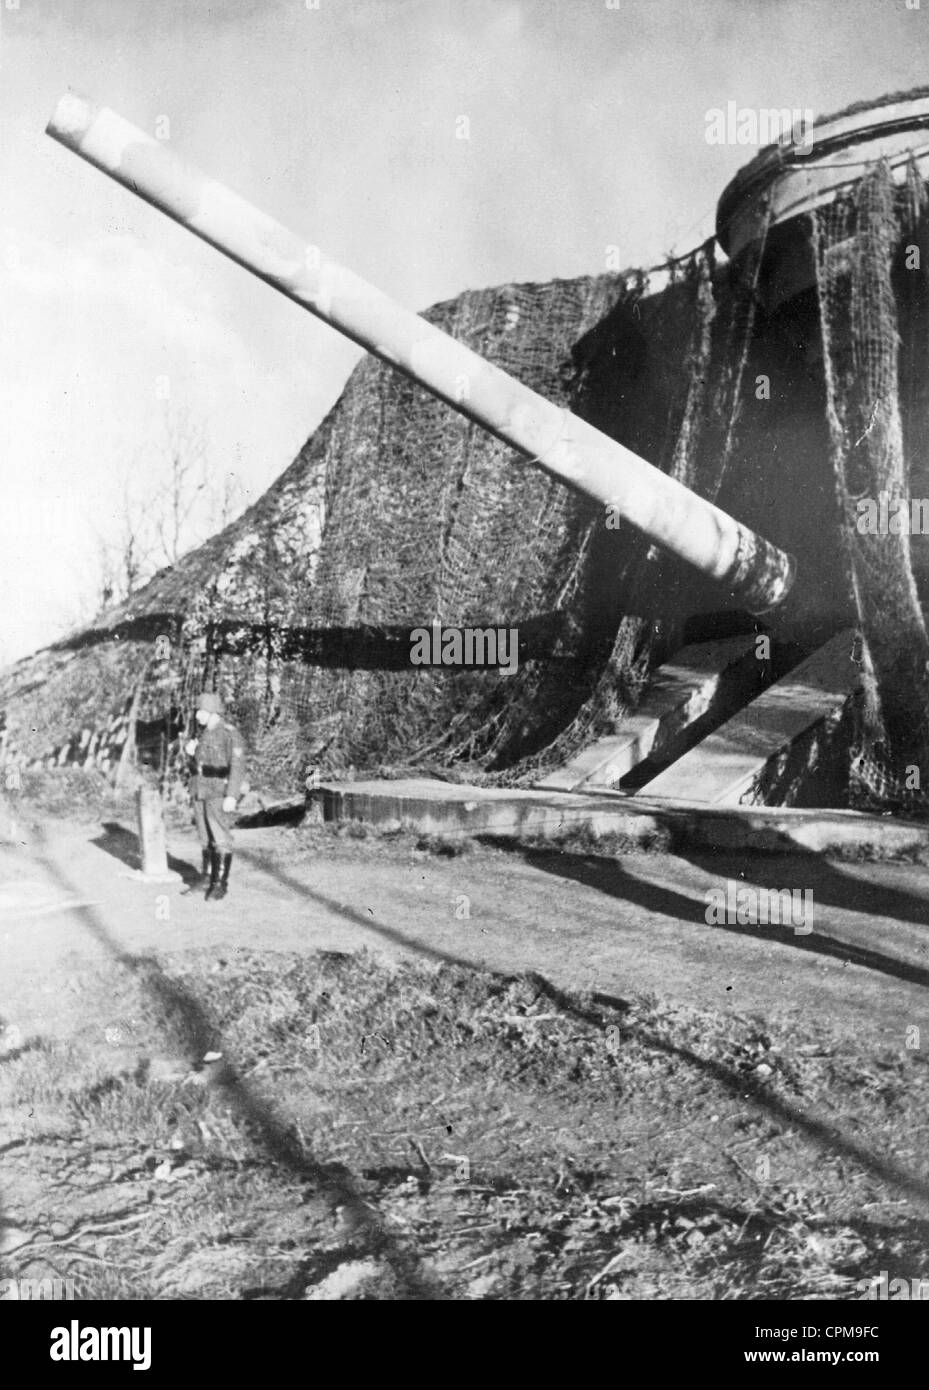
210,702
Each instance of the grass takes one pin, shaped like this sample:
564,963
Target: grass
377,1132
74,793
84,796
610,844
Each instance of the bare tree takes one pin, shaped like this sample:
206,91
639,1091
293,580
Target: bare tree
124,556
226,500
189,501
177,502
134,545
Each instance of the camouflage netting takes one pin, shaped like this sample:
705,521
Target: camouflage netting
423,516
398,512
429,517
872,261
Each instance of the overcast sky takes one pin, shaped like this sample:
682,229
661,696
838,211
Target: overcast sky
587,130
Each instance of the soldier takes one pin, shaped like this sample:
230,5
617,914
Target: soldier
218,758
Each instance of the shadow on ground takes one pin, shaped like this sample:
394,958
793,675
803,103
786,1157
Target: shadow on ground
332,1182
281,1141
819,1132
827,883
123,845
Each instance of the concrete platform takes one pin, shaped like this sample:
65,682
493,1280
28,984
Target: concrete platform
730,766
450,809
704,677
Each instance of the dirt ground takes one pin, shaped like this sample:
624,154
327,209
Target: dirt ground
385,1069
68,895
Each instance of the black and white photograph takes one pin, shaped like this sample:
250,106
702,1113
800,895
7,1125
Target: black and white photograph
464,666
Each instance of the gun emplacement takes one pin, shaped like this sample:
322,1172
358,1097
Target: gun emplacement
757,573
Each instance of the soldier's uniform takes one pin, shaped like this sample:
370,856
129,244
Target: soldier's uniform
218,771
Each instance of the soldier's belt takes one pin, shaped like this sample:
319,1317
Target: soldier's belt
214,772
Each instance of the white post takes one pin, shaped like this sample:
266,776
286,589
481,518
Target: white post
153,844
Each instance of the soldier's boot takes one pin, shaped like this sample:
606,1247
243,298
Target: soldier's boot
222,887
212,890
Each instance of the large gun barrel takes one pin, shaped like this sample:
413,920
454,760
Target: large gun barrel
757,573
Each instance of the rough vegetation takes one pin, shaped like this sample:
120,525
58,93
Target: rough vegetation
268,1127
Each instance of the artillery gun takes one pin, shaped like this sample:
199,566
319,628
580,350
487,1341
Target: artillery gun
756,573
